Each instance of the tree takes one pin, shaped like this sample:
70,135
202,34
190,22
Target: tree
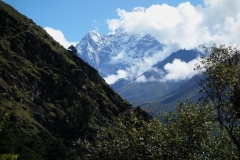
72,50
130,138
191,132
6,156
221,83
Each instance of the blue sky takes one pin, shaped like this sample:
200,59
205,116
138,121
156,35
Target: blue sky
74,18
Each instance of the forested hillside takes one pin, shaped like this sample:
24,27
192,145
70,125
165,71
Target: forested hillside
52,97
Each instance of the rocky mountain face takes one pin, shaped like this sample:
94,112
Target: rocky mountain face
110,53
54,100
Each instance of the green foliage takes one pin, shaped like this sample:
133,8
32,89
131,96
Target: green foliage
190,133
193,133
8,157
2,120
126,139
221,85
16,142
35,147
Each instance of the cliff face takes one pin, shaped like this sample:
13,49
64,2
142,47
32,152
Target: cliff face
50,95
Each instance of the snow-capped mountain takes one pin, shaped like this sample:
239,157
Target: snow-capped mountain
120,51
91,46
109,53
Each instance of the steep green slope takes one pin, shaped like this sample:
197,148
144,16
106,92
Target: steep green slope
52,97
136,94
189,89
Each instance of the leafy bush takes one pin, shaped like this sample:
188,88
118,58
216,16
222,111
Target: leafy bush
190,133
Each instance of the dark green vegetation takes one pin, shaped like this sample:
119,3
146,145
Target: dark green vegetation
191,132
55,106
222,87
6,156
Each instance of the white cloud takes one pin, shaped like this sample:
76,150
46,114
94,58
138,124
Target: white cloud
58,36
175,71
110,79
180,70
189,26
185,26
142,78
140,65
117,57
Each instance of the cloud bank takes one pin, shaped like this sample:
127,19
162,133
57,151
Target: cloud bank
185,26
216,22
113,78
138,65
58,36
180,70
174,71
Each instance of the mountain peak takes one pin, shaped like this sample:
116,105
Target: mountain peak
94,35
110,53
94,31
